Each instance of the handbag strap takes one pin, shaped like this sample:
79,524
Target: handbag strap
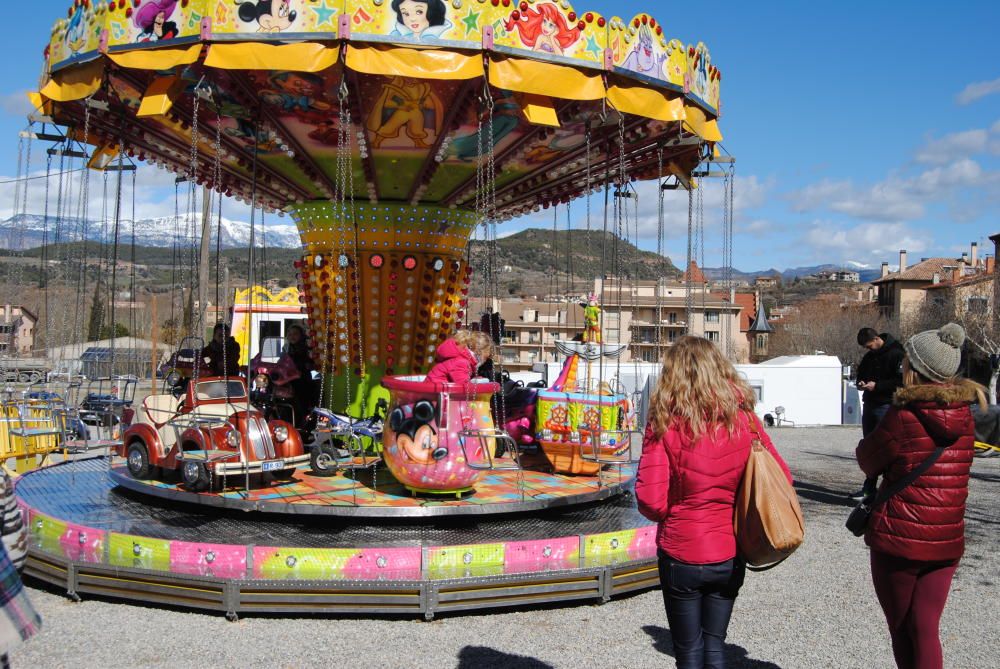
917,471
752,423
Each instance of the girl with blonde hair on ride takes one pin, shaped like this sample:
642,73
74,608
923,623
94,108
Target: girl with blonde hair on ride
697,442
458,357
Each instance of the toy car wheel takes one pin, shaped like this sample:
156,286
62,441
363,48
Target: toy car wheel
324,458
137,458
195,476
284,474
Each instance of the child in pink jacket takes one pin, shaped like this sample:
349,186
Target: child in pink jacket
458,357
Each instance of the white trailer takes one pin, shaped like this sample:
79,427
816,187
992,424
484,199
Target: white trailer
809,388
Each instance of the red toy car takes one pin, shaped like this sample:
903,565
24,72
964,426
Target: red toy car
210,430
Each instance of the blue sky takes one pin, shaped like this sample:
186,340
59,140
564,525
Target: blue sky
859,127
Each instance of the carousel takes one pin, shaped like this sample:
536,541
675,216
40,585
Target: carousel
391,131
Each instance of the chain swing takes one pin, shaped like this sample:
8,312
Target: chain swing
492,443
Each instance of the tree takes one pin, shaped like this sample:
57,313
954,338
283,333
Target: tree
96,323
826,324
170,331
119,331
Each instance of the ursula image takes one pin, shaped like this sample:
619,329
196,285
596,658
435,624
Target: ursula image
420,19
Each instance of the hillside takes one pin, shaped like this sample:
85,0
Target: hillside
532,262
538,262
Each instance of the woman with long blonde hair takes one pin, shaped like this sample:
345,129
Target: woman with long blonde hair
696,446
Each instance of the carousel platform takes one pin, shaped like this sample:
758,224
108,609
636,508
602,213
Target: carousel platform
376,494
92,536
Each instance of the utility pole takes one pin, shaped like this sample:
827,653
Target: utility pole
206,237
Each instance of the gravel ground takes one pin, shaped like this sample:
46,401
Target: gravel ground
816,610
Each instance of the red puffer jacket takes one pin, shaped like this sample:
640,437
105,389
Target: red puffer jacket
453,363
690,489
926,520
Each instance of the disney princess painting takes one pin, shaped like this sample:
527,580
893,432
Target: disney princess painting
544,29
420,19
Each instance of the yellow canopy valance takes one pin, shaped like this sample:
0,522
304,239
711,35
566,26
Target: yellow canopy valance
301,57
157,59
415,63
75,83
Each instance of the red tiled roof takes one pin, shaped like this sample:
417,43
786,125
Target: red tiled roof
697,276
922,271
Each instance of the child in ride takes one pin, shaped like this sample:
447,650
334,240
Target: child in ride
458,357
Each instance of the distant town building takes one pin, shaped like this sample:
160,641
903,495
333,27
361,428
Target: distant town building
840,275
782,313
905,295
648,315
17,330
764,282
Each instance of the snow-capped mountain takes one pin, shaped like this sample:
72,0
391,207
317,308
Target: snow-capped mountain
29,231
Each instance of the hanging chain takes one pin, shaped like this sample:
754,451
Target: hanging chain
729,216
196,318
17,230
83,215
701,248
590,177
688,282
659,252
217,184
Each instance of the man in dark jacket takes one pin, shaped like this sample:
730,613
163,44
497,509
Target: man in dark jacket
222,355
879,375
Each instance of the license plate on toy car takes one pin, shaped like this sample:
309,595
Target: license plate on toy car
271,466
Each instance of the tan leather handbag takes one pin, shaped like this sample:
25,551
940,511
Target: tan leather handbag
767,518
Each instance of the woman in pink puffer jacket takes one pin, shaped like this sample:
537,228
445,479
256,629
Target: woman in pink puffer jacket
695,450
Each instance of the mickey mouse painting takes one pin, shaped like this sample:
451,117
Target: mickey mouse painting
272,16
415,432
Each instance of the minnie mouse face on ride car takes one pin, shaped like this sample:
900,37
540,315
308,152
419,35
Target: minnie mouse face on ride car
416,432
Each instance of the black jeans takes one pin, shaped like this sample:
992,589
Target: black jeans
871,416
699,600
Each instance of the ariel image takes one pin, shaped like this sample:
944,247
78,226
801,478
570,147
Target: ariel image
420,19
544,29
151,20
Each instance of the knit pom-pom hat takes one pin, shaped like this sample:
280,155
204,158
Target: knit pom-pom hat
936,353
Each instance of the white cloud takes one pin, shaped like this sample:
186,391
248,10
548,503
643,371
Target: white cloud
954,146
749,193
977,90
16,103
896,198
865,243
755,227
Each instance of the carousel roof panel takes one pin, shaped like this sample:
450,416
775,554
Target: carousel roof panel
415,92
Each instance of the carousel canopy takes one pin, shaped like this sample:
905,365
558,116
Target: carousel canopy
561,100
